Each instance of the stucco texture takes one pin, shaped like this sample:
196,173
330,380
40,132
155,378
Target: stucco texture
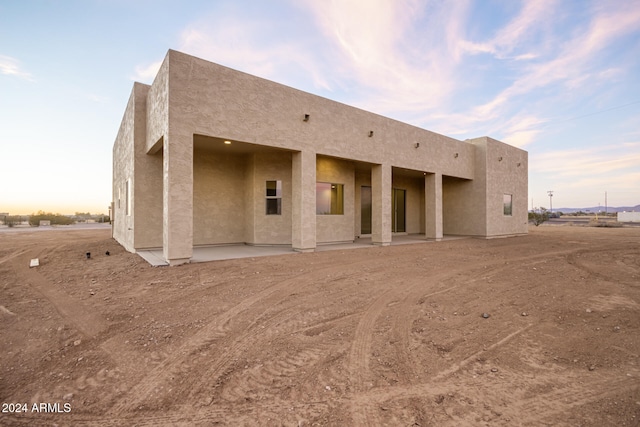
188,189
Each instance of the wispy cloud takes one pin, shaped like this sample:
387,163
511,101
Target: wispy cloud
517,33
577,57
384,55
11,66
416,60
146,73
551,60
240,44
522,130
388,48
594,162
582,176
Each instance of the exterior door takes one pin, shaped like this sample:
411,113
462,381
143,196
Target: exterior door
365,210
398,207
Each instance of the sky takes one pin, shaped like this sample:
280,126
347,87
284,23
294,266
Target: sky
558,78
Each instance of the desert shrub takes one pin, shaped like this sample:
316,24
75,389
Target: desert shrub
13,220
56,219
593,222
539,217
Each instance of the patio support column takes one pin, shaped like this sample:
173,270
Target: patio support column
177,225
303,221
381,205
433,205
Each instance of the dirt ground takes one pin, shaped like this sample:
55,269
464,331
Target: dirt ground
378,336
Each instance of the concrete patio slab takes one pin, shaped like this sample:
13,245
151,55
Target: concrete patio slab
222,252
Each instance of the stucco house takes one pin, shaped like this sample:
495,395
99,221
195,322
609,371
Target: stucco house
207,155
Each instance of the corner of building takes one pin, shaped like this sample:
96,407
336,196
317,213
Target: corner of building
122,180
505,169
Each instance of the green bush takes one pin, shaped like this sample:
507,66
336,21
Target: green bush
539,217
13,220
56,219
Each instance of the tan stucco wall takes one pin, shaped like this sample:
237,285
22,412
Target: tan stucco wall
433,206
464,204
218,198
336,228
507,168
229,198
143,227
270,229
249,190
475,207
147,197
147,189
123,165
303,200
460,190
213,100
381,176
158,108
463,207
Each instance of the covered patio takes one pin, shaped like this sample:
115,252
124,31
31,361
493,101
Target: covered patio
221,252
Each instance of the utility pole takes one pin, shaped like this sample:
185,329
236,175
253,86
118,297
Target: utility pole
550,193
605,203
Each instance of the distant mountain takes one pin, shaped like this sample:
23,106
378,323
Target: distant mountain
597,209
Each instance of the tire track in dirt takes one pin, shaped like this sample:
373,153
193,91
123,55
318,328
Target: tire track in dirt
12,256
404,315
216,330
176,364
243,414
366,402
574,259
431,388
464,362
203,385
574,392
265,331
102,380
463,397
270,375
358,362
322,325
69,308
569,393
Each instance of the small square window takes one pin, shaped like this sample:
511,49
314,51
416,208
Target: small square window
274,198
274,206
507,202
